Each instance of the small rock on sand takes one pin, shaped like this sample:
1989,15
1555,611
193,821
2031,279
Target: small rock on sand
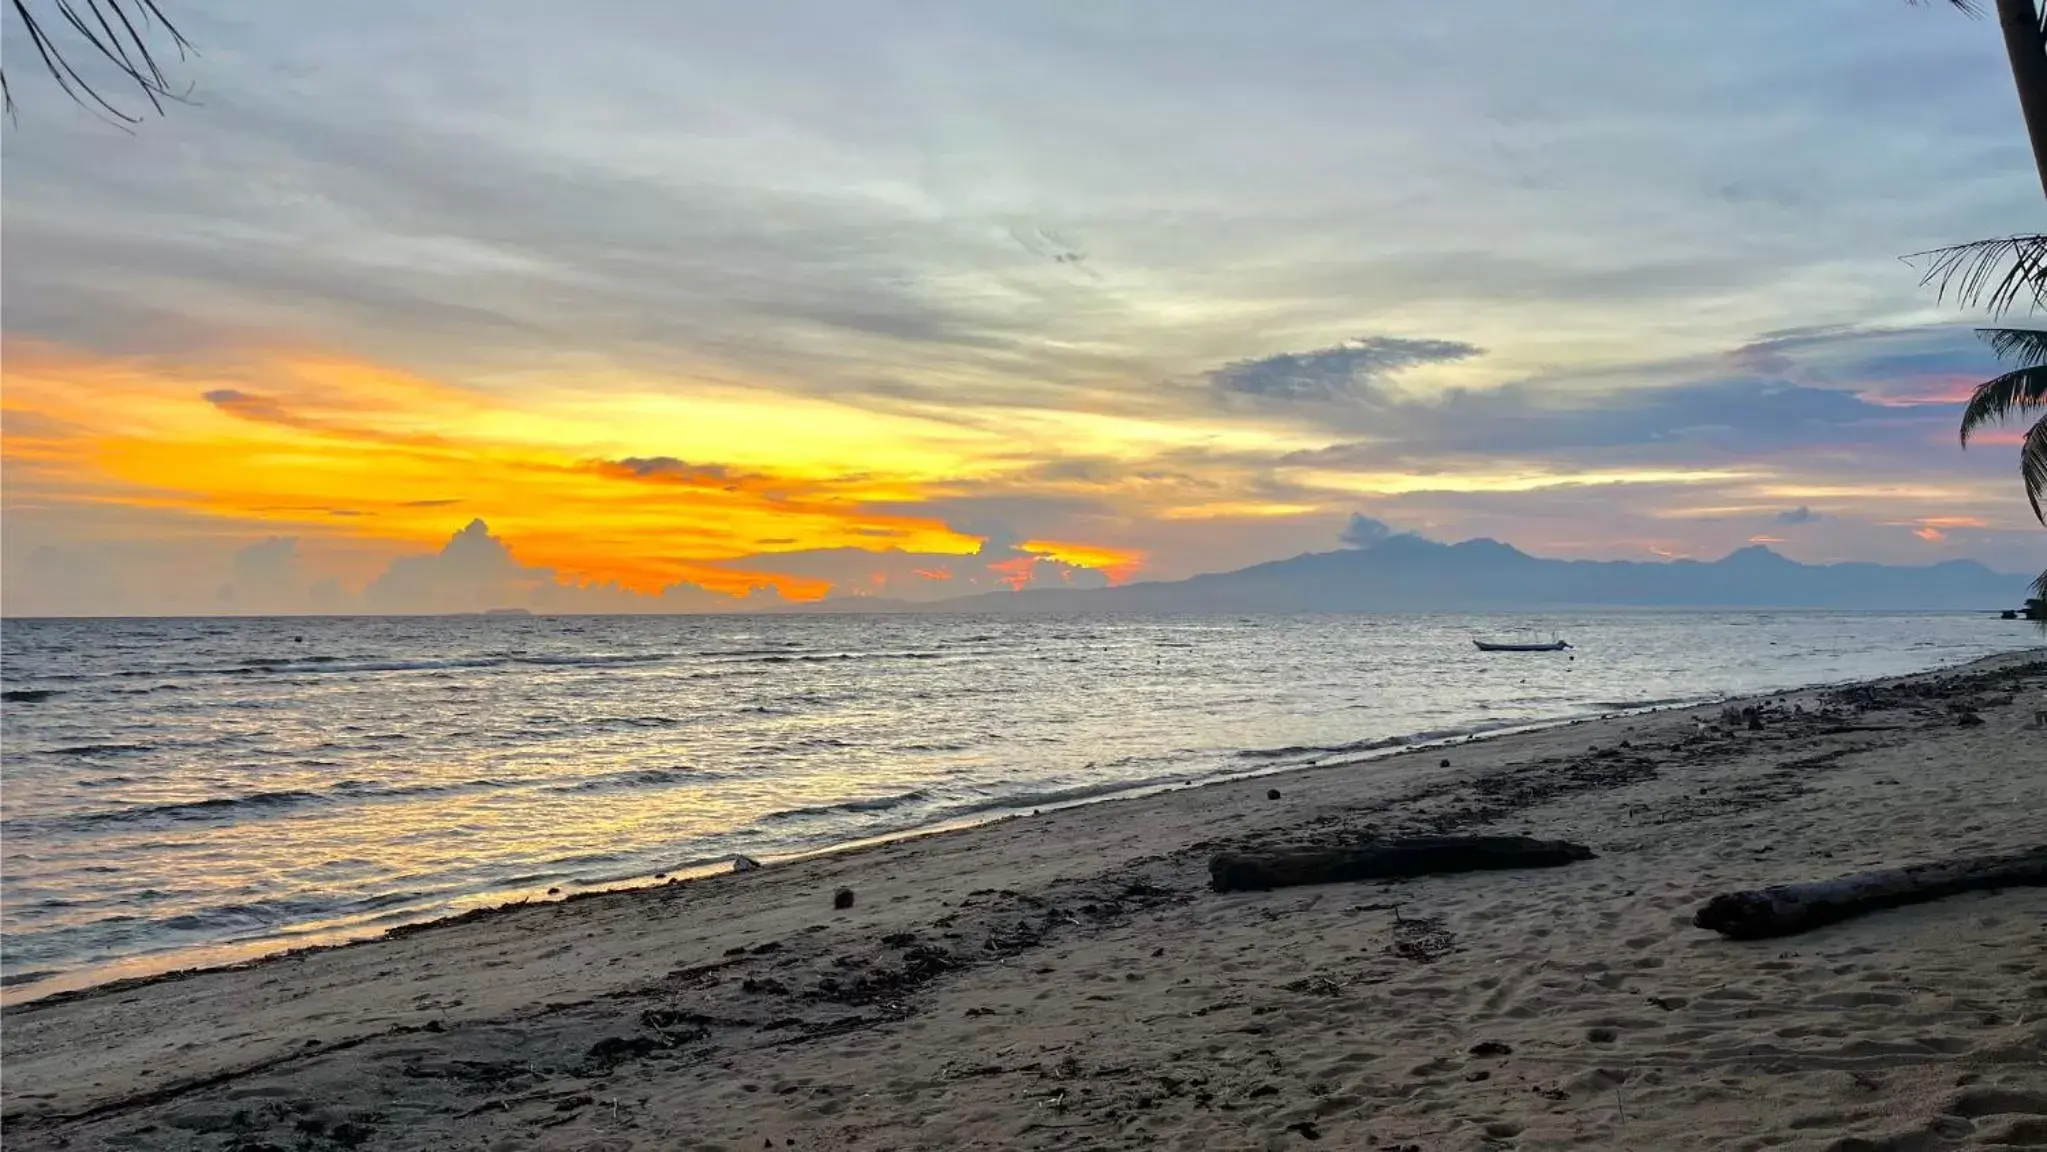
842,899
1445,763
1272,793
745,864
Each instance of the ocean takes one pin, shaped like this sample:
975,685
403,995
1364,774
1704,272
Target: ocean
192,791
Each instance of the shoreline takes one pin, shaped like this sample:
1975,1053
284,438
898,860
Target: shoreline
1069,981
140,970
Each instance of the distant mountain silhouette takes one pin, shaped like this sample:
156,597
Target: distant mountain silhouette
1413,574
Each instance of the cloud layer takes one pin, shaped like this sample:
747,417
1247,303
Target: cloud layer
912,302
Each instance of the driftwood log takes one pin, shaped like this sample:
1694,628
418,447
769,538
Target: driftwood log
1385,860
1791,908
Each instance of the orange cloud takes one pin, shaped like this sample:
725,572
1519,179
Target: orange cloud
1118,564
1932,390
1930,533
329,447
1017,572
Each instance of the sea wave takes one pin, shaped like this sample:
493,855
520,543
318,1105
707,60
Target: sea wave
845,807
101,750
1653,702
1317,751
27,695
1045,798
245,806
636,778
596,660
222,807
348,665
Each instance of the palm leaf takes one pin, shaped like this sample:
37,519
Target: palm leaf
1999,274
2033,466
2016,392
2019,347
117,32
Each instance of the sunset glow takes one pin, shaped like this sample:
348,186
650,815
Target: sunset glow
346,350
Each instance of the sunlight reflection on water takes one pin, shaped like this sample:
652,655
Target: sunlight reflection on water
213,789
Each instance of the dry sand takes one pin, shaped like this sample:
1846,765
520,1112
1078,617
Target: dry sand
1068,981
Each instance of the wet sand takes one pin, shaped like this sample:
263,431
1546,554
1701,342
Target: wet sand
1069,981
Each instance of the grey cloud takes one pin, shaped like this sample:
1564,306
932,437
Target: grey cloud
268,576
1344,372
796,196
1675,425
1799,515
669,466
1832,390
476,571
1363,531
472,572
999,563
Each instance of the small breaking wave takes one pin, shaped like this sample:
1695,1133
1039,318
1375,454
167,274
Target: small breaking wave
346,665
592,661
230,808
856,807
224,807
1657,702
1048,797
325,665
618,722
639,778
363,790
101,750
1381,744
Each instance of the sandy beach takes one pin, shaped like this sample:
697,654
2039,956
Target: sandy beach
1069,981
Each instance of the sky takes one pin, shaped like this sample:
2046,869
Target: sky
649,306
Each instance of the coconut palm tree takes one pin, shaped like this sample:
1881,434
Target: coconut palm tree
2008,273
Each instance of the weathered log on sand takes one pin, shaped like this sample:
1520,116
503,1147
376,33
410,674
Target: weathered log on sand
1384,860
1786,909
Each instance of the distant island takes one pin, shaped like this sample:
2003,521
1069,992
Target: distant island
506,612
1410,573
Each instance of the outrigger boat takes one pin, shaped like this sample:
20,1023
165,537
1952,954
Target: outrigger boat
1497,646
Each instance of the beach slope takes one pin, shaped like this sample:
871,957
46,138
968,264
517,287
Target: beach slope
1070,981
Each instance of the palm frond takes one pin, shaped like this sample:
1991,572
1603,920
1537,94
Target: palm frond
1999,274
1995,400
1965,7
2019,347
2033,466
2040,585
110,34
